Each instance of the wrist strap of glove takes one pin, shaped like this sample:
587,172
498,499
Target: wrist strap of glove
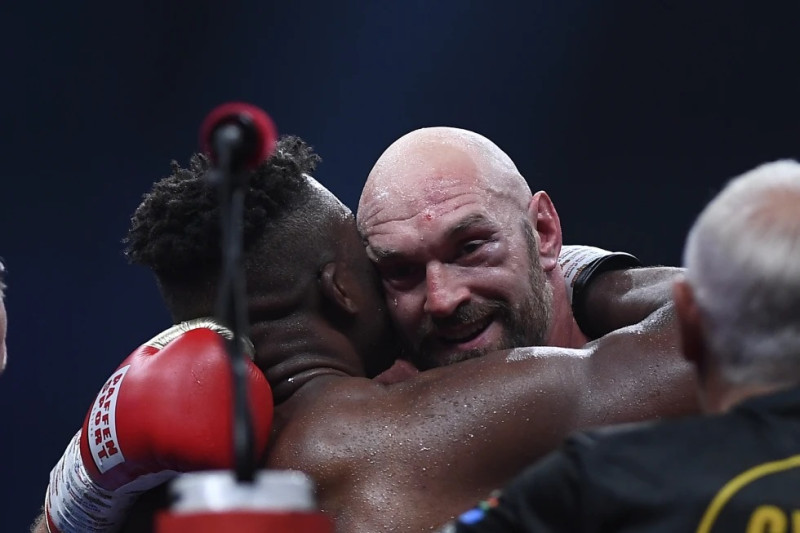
76,503
582,264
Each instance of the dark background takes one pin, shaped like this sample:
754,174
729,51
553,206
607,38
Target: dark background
631,114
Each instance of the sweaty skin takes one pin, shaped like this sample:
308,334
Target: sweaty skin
409,456
458,238
413,455
404,457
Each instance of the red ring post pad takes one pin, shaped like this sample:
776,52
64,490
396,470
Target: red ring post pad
250,118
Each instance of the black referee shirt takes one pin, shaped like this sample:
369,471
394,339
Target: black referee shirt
737,472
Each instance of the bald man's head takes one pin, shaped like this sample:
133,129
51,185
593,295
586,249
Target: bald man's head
438,158
458,237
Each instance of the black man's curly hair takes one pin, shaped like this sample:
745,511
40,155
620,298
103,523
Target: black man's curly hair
175,231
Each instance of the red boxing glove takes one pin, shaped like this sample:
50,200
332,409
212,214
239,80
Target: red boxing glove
167,409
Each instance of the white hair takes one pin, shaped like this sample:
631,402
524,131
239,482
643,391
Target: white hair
743,262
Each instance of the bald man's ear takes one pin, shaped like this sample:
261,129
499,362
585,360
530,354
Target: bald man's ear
690,324
333,280
544,219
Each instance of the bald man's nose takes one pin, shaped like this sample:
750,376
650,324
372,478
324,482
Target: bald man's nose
445,290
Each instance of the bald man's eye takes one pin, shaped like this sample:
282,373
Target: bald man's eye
400,275
472,247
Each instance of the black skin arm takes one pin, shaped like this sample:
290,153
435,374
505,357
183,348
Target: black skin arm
619,298
378,452
463,430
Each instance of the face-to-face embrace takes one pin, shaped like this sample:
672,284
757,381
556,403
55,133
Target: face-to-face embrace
321,255
447,222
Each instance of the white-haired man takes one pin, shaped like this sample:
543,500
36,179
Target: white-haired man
736,469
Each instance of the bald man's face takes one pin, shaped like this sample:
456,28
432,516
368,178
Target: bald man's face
457,257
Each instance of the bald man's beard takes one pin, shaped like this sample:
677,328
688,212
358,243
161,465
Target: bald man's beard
526,324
